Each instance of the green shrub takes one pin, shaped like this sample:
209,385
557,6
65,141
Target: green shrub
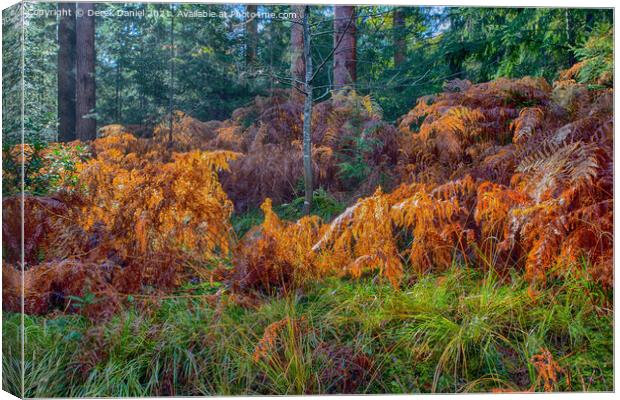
597,57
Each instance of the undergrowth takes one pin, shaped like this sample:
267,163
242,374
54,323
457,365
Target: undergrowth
150,271
325,206
460,331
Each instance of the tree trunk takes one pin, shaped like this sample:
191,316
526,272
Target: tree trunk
298,66
400,45
307,127
589,21
570,37
251,35
456,57
171,88
86,125
66,72
117,91
344,46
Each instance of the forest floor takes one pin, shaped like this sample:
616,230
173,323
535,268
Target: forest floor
459,331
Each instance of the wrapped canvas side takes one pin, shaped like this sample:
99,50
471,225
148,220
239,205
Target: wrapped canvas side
13,152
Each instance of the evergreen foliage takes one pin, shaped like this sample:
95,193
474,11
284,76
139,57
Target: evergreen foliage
211,78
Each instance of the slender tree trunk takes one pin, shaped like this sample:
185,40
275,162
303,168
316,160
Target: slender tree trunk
171,94
117,92
270,38
455,58
251,35
589,22
298,66
570,37
345,46
66,72
86,124
400,45
307,127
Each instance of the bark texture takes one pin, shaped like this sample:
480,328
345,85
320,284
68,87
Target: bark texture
66,72
400,45
344,46
298,64
86,125
251,35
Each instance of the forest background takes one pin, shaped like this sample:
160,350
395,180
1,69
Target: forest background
208,68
